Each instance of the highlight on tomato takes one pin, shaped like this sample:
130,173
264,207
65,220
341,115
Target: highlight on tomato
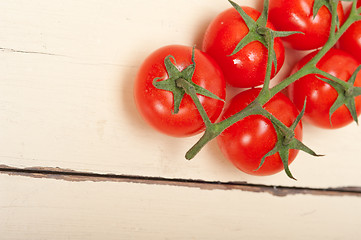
247,141
298,15
246,67
158,106
321,96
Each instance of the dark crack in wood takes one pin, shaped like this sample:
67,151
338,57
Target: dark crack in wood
77,176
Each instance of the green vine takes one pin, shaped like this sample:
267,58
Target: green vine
180,83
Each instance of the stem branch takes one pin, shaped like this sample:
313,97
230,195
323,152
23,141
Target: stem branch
190,90
255,108
310,67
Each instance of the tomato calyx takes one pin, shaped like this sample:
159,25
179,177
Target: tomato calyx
320,3
346,93
258,31
331,5
175,82
286,141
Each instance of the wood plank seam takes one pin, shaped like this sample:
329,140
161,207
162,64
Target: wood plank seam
77,176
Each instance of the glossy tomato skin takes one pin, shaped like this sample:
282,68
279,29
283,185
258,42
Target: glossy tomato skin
247,67
156,106
350,41
297,15
246,142
320,95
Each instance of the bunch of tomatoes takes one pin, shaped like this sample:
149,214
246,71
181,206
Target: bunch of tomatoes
181,90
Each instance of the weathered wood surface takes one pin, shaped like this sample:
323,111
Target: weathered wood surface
37,208
77,161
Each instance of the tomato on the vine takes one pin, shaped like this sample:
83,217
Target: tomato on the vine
297,15
320,96
246,68
157,106
247,141
350,41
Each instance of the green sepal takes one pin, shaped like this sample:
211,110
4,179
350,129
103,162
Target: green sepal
346,95
259,32
330,4
320,3
171,85
287,141
271,35
247,19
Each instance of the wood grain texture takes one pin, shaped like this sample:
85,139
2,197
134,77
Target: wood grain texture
66,96
41,209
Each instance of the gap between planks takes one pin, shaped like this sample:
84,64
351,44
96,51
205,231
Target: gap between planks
77,176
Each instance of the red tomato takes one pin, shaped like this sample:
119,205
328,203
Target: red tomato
156,106
320,95
246,142
351,39
246,68
297,15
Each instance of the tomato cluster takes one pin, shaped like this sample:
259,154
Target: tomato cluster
181,91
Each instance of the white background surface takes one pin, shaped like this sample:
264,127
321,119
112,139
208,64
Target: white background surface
67,70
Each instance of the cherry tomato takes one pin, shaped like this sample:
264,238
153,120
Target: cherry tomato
320,95
297,15
247,141
351,39
156,106
246,68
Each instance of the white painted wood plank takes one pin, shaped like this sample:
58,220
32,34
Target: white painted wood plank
44,208
65,100
74,116
111,31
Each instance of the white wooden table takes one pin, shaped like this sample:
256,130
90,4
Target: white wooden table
78,162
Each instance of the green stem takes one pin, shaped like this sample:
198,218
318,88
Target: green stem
206,137
285,130
305,70
265,92
334,22
254,108
310,67
330,76
217,128
190,90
